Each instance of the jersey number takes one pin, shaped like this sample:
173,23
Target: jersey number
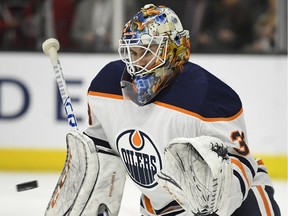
243,148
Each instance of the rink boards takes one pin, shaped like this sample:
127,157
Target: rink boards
33,126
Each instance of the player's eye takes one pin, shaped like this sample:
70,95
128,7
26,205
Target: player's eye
132,53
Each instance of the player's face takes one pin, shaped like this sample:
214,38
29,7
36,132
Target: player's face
143,57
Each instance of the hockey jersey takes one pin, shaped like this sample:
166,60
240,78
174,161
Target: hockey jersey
195,103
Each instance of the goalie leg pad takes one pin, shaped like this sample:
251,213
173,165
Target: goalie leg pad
91,183
108,190
197,173
78,176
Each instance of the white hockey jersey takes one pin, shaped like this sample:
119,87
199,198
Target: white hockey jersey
195,103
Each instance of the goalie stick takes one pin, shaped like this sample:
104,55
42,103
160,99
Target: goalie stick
80,171
50,48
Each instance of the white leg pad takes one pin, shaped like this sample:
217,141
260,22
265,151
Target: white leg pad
89,183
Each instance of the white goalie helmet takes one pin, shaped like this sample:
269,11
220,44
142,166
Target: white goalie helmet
154,47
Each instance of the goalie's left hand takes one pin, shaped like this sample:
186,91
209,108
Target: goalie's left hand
197,172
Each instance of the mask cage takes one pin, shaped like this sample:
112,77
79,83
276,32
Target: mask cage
158,56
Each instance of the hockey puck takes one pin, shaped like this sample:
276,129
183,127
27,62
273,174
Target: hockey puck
26,186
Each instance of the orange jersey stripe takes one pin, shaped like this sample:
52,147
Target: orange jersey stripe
148,205
260,162
114,96
101,94
239,164
265,201
197,115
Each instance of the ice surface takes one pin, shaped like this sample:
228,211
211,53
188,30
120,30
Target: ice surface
33,202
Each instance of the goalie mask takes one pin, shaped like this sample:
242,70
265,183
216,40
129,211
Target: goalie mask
154,47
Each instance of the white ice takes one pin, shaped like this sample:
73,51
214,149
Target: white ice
33,202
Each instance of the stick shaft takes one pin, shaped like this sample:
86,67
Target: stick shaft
71,117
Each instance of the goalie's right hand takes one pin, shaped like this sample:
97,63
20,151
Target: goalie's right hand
197,173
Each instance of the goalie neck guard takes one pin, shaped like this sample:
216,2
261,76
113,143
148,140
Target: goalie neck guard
154,46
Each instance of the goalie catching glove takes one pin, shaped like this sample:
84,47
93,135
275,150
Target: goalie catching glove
197,173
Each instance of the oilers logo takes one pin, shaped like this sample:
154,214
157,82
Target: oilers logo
140,156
